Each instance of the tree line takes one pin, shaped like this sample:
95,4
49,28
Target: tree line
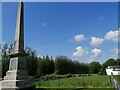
40,66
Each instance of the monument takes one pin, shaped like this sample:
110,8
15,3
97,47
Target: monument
17,76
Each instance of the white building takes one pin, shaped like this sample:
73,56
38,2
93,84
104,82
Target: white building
113,70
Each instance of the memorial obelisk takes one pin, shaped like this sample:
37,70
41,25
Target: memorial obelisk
17,76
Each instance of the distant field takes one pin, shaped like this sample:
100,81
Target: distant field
78,82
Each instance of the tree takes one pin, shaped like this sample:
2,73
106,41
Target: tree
31,61
84,68
109,62
62,65
95,67
5,59
46,68
40,67
118,61
76,67
45,65
52,65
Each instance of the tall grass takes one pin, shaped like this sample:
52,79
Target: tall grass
77,82
117,78
0,79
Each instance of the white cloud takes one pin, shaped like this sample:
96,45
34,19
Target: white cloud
44,24
90,59
80,51
79,37
96,41
116,50
112,35
101,18
96,52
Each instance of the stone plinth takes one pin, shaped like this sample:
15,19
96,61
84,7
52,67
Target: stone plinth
17,76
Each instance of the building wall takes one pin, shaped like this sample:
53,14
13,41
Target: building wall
111,72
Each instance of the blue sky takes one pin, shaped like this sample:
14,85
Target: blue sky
82,31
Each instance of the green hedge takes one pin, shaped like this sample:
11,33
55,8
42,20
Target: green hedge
54,76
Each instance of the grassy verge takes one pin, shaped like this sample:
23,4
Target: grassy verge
117,78
77,82
0,79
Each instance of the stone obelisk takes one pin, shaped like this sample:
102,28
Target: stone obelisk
17,76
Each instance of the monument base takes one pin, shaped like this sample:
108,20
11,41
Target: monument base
17,80
17,84
17,77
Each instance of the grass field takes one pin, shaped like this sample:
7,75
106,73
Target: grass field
117,78
77,82
0,79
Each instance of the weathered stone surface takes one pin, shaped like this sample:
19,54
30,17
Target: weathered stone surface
17,76
19,37
17,84
17,63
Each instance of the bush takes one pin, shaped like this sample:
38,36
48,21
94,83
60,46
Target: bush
74,75
54,76
79,75
89,75
68,75
48,77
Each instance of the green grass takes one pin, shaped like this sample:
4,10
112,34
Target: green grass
117,78
0,79
77,82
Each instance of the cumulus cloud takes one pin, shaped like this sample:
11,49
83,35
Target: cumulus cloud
44,24
96,52
96,41
112,35
80,51
79,37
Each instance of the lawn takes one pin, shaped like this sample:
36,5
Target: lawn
77,82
